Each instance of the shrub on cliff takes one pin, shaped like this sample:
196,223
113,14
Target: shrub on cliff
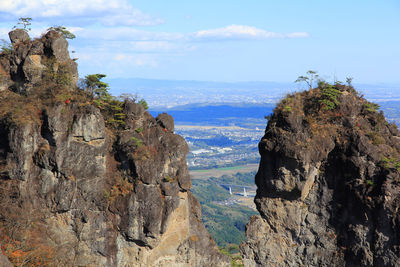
63,31
329,95
321,113
25,23
110,106
310,77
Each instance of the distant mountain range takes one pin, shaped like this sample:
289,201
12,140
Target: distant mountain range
170,93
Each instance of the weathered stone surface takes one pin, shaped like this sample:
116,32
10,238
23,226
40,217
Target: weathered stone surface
31,61
105,198
85,191
5,79
166,121
18,36
4,262
89,125
134,115
325,195
57,46
23,142
33,68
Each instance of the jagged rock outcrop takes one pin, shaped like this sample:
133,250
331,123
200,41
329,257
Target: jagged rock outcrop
77,190
31,62
328,184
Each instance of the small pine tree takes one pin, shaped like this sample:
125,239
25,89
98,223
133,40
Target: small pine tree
25,23
143,103
63,31
309,79
96,87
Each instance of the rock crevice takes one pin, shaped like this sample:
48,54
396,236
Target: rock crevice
328,185
86,192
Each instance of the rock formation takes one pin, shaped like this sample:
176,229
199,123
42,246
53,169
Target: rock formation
78,190
31,62
328,184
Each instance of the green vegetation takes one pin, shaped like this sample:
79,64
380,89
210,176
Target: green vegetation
309,79
287,108
137,142
94,85
219,169
5,47
391,163
56,74
110,106
63,31
25,23
168,178
143,103
225,224
370,182
376,138
225,165
320,103
371,107
349,81
329,95
232,250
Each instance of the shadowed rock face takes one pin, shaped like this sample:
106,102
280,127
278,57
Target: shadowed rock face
105,200
328,186
87,194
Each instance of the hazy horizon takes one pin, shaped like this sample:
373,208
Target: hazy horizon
223,41
172,93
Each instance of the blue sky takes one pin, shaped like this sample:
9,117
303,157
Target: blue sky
234,40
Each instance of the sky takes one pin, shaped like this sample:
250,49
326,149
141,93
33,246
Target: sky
252,40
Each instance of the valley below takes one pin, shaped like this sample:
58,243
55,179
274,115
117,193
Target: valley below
223,140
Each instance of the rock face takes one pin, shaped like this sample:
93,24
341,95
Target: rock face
75,191
34,61
4,262
328,184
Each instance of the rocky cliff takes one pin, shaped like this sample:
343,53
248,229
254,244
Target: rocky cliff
79,189
328,184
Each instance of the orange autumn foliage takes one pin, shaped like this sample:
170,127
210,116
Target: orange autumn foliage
30,249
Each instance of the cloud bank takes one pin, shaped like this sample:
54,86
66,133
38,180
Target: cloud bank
107,12
107,31
243,32
233,32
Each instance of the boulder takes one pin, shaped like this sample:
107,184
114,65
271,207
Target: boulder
18,36
166,121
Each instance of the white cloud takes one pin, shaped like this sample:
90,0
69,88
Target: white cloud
233,32
107,12
118,50
128,34
242,32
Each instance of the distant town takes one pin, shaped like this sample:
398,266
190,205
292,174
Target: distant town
217,146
